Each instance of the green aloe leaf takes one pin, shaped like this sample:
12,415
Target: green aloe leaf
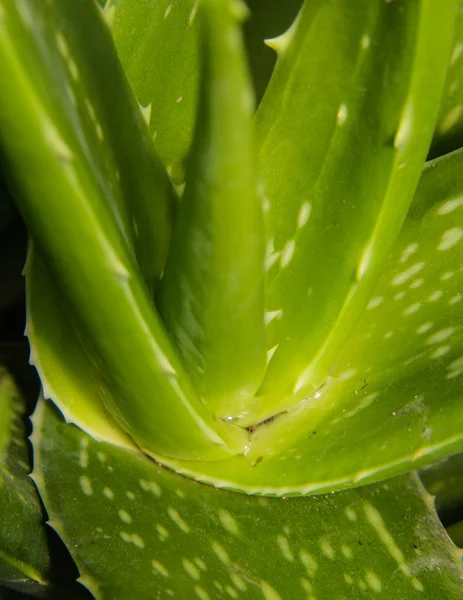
63,138
24,553
211,296
158,47
267,19
61,354
448,135
397,382
392,400
341,156
137,529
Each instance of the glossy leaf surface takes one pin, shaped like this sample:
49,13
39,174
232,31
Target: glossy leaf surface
135,528
211,296
59,62
344,129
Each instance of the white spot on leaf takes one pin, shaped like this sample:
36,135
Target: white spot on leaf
440,335
374,302
304,214
450,206
228,522
342,114
160,568
450,238
287,253
86,485
407,274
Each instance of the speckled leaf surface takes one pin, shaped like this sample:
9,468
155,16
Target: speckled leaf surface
23,547
334,212
392,400
212,294
137,529
60,140
157,43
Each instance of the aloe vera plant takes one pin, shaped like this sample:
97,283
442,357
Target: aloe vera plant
247,320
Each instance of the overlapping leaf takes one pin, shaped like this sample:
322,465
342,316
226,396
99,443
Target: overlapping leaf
71,129
344,128
157,43
392,401
212,293
136,529
24,553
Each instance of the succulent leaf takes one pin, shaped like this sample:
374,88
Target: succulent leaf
158,47
392,400
61,353
341,155
267,19
60,142
23,549
137,529
211,296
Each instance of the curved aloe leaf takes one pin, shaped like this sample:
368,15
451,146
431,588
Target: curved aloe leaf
158,47
59,145
211,296
267,19
61,354
448,135
135,528
23,549
341,156
399,374
392,400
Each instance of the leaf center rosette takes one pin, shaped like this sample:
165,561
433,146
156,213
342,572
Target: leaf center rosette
269,326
